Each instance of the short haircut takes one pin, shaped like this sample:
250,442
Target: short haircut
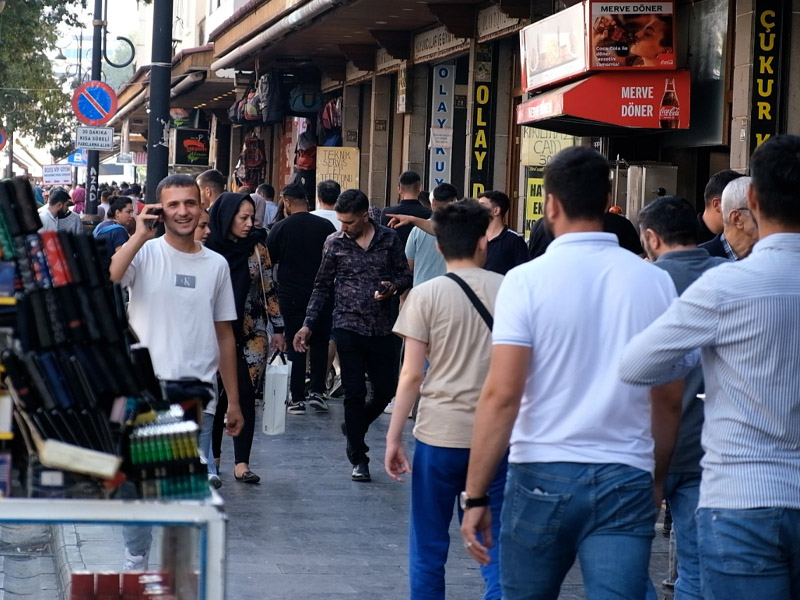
58,196
119,204
579,178
445,192
136,189
352,202
734,197
775,172
178,181
213,179
328,191
104,195
410,179
294,191
498,199
717,183
458,228
266,191
673,218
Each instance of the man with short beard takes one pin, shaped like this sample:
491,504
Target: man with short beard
364,270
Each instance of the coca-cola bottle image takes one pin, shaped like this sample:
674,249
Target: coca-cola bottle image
670,114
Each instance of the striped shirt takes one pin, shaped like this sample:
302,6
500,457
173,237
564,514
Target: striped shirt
745,318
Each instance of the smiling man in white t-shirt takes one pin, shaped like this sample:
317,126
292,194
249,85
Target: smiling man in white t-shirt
181,307
583,454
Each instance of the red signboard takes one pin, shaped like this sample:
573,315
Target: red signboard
598,35
642,100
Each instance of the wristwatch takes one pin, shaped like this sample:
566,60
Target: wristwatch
466,502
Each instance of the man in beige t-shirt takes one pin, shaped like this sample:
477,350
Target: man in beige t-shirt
440,322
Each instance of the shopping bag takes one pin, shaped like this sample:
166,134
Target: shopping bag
276,393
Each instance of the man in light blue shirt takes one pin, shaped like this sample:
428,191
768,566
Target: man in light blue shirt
424,259
743,316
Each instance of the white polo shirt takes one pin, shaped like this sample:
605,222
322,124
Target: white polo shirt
576,307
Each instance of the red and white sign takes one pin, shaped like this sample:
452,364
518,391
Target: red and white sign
94,103
598,35
642,100
3,139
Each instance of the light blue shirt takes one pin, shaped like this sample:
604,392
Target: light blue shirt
745,318
428,261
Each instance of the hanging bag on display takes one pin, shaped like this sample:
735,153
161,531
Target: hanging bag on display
276,394
305,100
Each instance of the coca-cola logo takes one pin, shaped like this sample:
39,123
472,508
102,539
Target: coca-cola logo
669,112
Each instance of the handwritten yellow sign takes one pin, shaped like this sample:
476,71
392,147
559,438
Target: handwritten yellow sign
340,164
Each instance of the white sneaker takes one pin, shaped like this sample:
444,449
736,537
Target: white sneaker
389,407
134,562
214,481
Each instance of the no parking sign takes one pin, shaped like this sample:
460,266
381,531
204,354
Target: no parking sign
94,103
3,139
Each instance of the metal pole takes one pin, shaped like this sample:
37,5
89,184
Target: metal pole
158,122
93,159
10,167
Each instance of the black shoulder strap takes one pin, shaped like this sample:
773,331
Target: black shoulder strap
476,302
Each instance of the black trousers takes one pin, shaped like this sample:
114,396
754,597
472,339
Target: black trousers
243,442
294,313
361,355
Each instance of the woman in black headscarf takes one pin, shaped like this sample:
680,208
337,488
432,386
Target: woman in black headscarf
244,246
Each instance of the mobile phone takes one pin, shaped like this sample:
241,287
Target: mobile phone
383,288
157,212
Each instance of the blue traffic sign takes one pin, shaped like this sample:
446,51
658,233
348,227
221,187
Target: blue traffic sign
77,158
3,139
94,103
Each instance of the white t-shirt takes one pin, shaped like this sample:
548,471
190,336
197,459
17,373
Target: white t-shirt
440,314
175,299
330,215
576,307
49,222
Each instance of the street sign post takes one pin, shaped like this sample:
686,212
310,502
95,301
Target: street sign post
95,138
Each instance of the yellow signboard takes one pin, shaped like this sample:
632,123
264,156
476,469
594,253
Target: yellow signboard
340,164
534,199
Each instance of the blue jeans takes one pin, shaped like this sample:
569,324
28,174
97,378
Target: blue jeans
751,553
440,474
603,513
682,492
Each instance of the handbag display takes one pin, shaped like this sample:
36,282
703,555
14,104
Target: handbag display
276,394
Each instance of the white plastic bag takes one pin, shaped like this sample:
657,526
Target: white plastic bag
276,393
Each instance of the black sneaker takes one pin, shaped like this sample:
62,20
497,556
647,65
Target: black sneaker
361,473
296,408
317,402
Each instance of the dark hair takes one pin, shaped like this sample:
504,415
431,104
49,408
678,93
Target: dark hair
499,199
295,191
136,189
717,183
104,194
444,192
352,202
118,205
266,191
212,178
328,191
578,177
410,179
171,181
424,198
775,172
672,218
58,196
458,228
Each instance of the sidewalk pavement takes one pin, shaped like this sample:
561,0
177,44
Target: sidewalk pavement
307,531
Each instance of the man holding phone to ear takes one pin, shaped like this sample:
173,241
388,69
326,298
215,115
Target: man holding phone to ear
181,307
364,270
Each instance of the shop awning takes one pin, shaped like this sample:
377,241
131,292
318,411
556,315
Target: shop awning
612,104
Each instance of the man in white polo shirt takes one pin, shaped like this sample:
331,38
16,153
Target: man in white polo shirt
581,466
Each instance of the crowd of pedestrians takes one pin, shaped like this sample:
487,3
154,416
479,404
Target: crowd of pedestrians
561,390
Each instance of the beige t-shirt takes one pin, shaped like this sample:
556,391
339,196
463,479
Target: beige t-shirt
439,314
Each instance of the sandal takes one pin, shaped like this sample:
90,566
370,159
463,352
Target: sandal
247,477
